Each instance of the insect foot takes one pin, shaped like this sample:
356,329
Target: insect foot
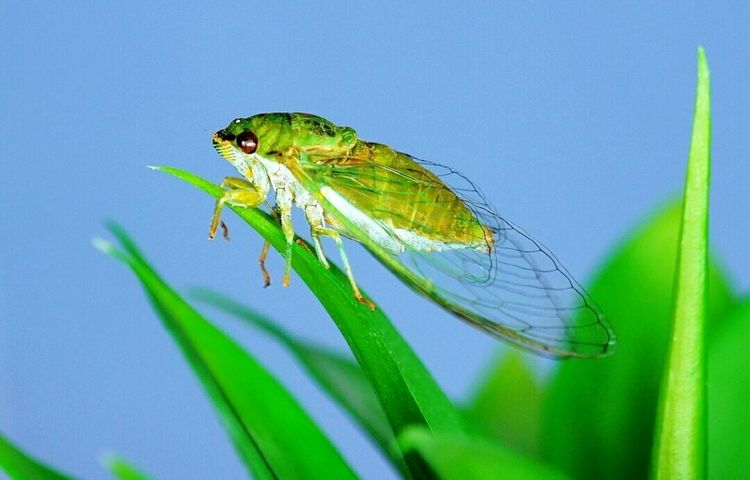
366,301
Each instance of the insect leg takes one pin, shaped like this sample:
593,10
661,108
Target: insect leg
264,251
329,232
262,262
238,192
314,215
284,206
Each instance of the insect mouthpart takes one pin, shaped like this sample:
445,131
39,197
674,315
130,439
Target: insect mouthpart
223,135
223,146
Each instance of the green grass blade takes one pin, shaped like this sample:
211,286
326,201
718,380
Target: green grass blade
122,469
406,390
454,457
507,405
271,432
20,466
340,376
599,414
603,414
681,429
729,397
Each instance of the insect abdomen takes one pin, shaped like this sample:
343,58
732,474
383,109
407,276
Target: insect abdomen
391,187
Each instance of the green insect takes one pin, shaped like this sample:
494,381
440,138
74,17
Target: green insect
425,222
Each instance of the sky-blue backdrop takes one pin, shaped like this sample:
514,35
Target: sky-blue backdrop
573,117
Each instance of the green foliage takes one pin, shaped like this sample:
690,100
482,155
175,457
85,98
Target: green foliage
337,374
122,469
729,397
508,405
455,457
681,427
650,407
405,389
271,432
597,413
20,466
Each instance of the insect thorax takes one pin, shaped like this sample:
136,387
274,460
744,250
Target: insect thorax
316,135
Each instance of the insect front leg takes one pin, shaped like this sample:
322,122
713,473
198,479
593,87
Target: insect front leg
239,192
284,208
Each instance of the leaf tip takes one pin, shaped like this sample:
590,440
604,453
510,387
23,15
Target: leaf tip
103,245
106,458
703,70
118,231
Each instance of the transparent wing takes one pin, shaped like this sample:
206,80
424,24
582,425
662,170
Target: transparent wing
517,290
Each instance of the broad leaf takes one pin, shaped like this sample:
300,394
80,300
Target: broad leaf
507,405
729,397
598,413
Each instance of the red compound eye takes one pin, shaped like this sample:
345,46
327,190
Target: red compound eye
247,142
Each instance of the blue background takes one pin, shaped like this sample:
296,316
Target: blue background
573,117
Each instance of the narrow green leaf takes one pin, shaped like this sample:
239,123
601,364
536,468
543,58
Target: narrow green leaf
454,457
406,390
681,428
599,416
273,435
122,469
337,374
20,466
729,397
507,405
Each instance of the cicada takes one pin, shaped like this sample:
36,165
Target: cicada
424,221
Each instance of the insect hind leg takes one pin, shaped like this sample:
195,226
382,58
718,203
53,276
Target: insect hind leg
314,216
336,236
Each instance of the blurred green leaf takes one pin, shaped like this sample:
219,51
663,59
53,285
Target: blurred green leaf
19,466
681,425
406,390
271,432
454,457
337,374
599,415
729,397
122,469
507,405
